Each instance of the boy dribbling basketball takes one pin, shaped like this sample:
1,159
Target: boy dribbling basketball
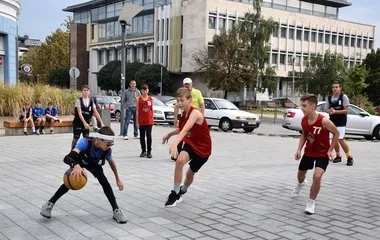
91,154
194,132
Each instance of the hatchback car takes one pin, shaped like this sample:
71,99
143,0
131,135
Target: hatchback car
225,115
359,122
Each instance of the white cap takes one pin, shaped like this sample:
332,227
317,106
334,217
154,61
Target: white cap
187,80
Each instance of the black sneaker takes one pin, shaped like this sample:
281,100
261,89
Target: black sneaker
181,192
143,154
350,161
149,155
25,133
172,199
337,160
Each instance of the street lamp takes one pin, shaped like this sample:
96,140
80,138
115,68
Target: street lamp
128,12
293,93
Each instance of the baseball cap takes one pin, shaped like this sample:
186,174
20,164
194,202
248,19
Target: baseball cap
187,80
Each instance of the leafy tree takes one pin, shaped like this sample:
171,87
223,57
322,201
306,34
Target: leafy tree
372,65
67,23
355,84
321,72
53,53
104,76
151,75
60,77
240,56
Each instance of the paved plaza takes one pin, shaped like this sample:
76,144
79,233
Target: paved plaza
243,192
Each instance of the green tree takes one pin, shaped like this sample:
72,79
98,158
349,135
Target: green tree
151,75
255,33
239,57
60,77
372,65
67,23
321,72
355,84
54,53
105,76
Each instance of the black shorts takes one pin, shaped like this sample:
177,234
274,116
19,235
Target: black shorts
307,163
36,118
196,161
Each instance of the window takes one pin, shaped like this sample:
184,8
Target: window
340,40
92,31
331,12
306,8
313,36
327,38
181,26
333,39
291,33
180,59
167,56
167,29
148,24
275,32
359,43
110,10
306,35
274,58
95,14
118,7
282,58
283,32
102,31
352,42
293,5
211,22
365,43
101,55
370,46
158,31
267,3
162,55
299,34
279,4
77,17
354,110
102,13
110,30
320,37
319,10
209,104
222,24
117,30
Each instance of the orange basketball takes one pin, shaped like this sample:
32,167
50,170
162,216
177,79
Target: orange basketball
74,183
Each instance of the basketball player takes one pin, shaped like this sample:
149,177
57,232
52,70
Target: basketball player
91,154
195,134
84,110
315,133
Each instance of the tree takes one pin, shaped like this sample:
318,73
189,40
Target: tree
355,84
104,76
240,56
54,53
60,77
151,75
372,65
321,72
67,23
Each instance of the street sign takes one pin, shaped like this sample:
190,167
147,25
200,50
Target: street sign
74,72
26,68
160,84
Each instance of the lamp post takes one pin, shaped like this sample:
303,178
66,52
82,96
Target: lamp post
293,93
128,12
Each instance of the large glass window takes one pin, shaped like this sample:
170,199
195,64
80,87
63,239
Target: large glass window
118,7
267,3
331,12
77,17
279,4
102,13
319,10
148,24
293,5
110,10
102,31
148,4
110,30
211,22
95,14
306,7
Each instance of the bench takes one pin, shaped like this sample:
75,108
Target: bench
17,128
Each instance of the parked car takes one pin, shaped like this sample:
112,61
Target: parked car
225,115
359,122
171,103
117,98
164,98
162,113
109,103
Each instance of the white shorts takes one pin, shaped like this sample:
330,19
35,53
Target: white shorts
342,132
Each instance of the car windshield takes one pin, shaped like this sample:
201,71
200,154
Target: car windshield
225,104
157,102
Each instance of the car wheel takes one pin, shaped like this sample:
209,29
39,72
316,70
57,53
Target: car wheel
171,123
376,132
225,124
368,137
117,116
248,129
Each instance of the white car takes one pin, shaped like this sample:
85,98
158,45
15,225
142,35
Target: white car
162,113
359,122
225,115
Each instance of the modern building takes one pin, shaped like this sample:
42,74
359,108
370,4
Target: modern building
9,13
170,31
25,43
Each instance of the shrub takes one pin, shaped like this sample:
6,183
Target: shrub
13,97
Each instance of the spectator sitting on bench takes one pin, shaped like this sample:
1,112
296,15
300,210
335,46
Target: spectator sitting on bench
38,118
51,114
26,116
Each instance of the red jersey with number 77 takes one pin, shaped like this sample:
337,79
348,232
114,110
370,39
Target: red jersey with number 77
198,137
317,138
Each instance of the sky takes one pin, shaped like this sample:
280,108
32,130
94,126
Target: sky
39,18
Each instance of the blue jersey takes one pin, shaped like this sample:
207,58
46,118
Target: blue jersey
38,111
96,153
52,112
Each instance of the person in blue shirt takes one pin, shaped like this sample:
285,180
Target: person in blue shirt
38,118
51,114
91,153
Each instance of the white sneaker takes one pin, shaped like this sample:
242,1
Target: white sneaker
137,137
298,188
125,137
310,206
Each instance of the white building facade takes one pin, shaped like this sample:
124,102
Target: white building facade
169,32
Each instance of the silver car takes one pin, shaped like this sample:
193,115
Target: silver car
359,122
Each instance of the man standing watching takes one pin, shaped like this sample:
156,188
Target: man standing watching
130,96
196,96
337,107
